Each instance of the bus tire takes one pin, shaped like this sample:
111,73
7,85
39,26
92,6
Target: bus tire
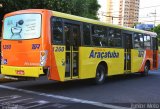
146,70
100,75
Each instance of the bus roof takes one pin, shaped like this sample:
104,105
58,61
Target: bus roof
87,20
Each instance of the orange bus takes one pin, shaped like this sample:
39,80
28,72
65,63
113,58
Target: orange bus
64,47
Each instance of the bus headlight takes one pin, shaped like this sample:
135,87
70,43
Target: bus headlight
43,57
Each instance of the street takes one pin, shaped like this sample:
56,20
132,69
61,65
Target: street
117,92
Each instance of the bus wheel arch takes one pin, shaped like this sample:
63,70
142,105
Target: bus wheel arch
101,72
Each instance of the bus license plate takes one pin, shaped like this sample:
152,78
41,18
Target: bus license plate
20,72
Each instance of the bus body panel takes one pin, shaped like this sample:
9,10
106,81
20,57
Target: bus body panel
139,59
59,58
136,60
90,58
27,53
21,53
22,71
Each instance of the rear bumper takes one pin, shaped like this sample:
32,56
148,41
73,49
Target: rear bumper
25,71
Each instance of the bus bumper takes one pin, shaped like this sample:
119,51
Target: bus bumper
21,71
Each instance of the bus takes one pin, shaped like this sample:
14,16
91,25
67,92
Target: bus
63,47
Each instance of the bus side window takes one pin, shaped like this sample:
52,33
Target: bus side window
115,38
147,42
86,34
138,41
98,34
57,31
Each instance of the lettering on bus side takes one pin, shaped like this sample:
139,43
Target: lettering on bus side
140,53
59,49
35,46
102,55
6,46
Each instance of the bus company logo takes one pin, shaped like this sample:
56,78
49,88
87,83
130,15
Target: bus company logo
35,46
101,55
140,53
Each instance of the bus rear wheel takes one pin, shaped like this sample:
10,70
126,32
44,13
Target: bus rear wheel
146,70
100,74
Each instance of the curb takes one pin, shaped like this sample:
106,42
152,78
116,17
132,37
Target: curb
3,79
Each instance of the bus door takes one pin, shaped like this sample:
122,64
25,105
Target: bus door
72,41
127,51
155,53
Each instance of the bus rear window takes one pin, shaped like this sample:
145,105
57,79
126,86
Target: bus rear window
22,26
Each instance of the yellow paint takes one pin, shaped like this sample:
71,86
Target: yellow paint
60,60
28,71
87,66
136,61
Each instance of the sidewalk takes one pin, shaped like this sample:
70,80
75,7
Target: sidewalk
2,79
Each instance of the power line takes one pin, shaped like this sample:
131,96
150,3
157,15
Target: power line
139,8
150,7
129,17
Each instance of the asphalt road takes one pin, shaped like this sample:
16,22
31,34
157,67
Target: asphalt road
117,92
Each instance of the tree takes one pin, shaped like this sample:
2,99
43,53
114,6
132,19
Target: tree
84,8
157,30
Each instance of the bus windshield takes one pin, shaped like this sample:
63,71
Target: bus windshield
22,26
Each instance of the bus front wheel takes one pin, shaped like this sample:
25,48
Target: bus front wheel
100,74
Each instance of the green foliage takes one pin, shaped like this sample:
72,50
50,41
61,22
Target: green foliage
157,30
84,8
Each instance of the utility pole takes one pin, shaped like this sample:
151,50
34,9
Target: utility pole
155,17
112,17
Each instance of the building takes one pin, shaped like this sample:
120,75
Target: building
121,12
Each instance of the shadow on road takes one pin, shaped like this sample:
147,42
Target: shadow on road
52,86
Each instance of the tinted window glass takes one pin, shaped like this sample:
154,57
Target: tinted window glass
115,39
86,34
98,35
147,42
138,40
57,30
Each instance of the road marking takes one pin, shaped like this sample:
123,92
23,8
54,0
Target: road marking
55,105
99,104
37,103
5,97
18,101
10,98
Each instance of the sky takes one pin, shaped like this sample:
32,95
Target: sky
145,14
